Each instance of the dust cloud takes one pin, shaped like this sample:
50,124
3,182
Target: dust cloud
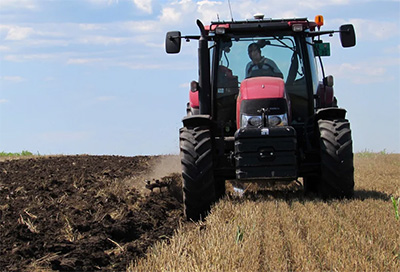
165,165
159,167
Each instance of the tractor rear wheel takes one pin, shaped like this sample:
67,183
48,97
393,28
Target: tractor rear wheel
336,153
197,172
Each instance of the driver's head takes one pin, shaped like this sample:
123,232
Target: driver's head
254,52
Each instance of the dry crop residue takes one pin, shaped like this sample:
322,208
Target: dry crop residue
82,213
281,229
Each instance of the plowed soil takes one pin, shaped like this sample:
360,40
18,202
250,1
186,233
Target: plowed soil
83,213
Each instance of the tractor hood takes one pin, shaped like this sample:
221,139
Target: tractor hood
262,87
259,94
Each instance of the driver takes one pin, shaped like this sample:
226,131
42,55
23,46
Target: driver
259,65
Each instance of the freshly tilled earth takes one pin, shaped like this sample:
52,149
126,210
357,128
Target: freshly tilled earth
83,213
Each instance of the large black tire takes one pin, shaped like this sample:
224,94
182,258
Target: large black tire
336,154
197,172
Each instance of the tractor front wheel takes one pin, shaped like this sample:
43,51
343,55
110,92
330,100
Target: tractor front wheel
336,153
197,172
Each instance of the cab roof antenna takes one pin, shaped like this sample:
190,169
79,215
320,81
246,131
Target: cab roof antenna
230,9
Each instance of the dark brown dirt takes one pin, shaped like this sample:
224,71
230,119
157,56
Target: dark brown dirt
82,213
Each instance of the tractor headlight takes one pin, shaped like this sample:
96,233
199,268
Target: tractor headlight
278,120
251,121
256,121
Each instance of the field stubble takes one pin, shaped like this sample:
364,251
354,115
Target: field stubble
285,231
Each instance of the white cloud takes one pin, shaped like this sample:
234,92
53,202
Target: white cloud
209,10
4,48
81,61
29,57
13,78
314,5
18,4
16,37
372,30
144,5
46,43
276,8
61,35
178,11
170,15
368,71
16,33
92,27
3,101
102,40
140,26
375,30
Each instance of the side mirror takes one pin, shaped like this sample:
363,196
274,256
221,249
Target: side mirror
328,81
173,42
347,35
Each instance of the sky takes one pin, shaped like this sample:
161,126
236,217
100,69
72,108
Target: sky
92,76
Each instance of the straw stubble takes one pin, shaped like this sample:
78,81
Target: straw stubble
294,233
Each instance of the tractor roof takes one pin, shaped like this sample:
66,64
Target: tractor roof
263,25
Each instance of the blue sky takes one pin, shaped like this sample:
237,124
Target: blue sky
92,76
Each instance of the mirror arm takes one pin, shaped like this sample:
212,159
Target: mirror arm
319,33
187,38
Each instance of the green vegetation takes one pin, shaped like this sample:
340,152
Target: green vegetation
369,153
11,154
239,235
396,204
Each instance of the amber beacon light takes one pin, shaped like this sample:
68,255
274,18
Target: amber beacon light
319,20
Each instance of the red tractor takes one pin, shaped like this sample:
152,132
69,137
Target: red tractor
258,118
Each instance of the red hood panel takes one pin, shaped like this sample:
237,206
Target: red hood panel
262,87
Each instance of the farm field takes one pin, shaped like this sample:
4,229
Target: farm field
94,213
281,230
83,213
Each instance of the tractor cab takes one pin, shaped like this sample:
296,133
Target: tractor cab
280,66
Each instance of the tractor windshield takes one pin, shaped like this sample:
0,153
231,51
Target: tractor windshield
274,56
277,56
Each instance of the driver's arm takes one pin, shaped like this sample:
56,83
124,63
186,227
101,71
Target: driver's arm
275,68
